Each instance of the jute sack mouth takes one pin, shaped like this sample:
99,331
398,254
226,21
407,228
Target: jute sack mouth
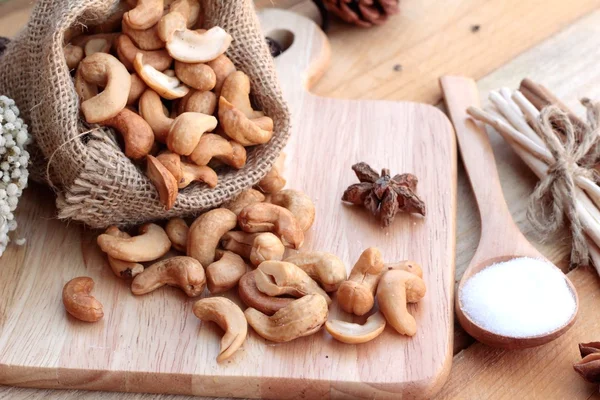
95,182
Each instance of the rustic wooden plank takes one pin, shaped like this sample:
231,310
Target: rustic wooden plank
566,64
432,38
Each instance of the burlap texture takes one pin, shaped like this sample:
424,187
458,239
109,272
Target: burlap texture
95,182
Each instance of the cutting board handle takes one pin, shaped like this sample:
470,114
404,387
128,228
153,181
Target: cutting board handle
307,51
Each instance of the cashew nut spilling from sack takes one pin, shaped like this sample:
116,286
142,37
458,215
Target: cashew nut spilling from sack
277,278
351,333
274,181
397,288
298,203
150,244
225,272
177,231
214,146
183,272
325,268
247,197
301,317
165,183
79,303
206,231
265,217
254,298
356,295
229,317
122,269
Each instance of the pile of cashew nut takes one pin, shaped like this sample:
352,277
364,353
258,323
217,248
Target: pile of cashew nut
243,244
154,75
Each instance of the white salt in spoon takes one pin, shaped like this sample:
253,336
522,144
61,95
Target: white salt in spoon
501,240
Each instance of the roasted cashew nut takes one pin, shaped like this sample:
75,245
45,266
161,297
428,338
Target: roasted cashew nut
79,303
172,162
254,298
247,197
177,231
215,146
163,180
122,269
274,181
73,55
325,268
168,87
245,131
136,132
238,242
85,90
277,278
206,231
266,247
298,203
169,24
351,333
186,131
190,9
406,265
144,39
198,76
200,102
229,317
264,217
113,99
223,67
236,90
356,295
225,272
197,173
127,51
397,288
182,272
301,317
145,14
198,47
152,110
138,87
182,14
150,244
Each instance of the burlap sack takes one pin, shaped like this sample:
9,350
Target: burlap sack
95,182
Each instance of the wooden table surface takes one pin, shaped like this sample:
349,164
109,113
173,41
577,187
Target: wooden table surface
498,43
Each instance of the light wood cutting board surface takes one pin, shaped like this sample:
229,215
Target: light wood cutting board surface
155,344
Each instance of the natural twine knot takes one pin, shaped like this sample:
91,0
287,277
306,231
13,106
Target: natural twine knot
574,147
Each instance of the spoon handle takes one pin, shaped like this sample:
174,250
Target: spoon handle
476,150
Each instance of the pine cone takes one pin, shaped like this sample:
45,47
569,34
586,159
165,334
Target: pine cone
363,13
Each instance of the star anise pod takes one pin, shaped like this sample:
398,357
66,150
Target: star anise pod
589,366
384,196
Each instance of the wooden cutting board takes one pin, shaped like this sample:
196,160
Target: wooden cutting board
154,343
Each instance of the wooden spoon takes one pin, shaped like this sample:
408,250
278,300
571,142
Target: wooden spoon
501,239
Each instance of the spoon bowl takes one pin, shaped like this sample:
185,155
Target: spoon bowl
497,340
501,240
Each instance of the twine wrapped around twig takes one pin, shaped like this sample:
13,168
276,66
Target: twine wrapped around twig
575,155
